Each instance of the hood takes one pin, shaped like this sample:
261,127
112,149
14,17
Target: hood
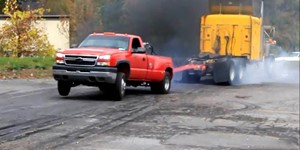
90,51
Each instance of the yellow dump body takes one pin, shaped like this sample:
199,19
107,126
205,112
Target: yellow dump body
231,35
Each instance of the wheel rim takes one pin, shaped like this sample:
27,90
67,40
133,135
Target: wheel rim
241,73
167,83
123,86
231,73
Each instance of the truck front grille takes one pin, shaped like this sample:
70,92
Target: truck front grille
79,60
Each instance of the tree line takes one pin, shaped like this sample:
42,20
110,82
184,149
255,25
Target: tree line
167,24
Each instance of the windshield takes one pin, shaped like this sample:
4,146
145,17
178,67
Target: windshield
117,42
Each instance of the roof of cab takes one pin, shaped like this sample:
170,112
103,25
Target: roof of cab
115,34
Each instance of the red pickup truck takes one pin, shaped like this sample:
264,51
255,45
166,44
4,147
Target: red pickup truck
112,61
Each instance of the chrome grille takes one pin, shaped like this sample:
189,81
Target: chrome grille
79,60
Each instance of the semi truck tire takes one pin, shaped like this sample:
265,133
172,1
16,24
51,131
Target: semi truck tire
240,67
230,72
63,88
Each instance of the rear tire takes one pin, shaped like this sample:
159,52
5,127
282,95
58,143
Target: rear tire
241,71
162,87
64,88
230,72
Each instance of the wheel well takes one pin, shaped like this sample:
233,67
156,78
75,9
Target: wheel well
170,70
125,68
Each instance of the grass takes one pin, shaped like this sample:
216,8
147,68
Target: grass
18,64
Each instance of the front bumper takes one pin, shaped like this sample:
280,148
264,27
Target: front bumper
85,74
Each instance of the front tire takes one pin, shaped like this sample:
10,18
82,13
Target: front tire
162,87
64,88
119,89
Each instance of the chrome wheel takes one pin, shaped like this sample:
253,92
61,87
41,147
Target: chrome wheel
241,73
167,83
123,86
231,73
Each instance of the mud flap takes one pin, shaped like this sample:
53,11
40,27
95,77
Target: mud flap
230,72
220,72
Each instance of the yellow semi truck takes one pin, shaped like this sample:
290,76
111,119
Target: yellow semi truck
231,37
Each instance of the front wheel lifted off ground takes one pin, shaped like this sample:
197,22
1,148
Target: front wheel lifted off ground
162,87
64,88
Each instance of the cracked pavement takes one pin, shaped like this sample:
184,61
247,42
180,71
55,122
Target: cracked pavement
192,116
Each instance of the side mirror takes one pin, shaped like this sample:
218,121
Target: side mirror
149,47
140,50
74,45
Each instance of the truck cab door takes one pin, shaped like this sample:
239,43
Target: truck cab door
138,61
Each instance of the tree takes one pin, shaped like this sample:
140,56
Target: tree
19,36
85,15
284,15
2,4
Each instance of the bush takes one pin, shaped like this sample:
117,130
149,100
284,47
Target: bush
20,36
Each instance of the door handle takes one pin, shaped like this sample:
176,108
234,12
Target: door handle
144,58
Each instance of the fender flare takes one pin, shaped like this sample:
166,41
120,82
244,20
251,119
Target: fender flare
124,62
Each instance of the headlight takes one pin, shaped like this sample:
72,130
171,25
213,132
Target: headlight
104,57
60,55
103,60
60,58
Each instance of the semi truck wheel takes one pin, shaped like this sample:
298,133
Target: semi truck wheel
237,69
120,87
230,72
162,87
241,71
64,88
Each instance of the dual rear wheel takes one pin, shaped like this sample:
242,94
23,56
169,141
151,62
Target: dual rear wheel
230,72
162,87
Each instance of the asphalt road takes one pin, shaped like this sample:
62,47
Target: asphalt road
192,116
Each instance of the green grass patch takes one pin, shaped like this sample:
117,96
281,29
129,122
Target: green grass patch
41,63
